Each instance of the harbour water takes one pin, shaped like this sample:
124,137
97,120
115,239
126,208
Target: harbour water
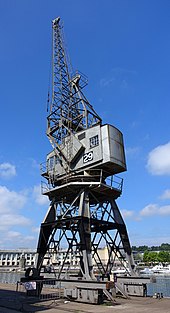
160,285
10,277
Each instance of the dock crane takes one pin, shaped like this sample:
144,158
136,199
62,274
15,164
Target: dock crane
80,177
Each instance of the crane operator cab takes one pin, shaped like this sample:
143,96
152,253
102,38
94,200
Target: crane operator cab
85,154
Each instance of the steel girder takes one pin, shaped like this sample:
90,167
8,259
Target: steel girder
84,228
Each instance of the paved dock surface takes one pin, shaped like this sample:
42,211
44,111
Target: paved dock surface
14,302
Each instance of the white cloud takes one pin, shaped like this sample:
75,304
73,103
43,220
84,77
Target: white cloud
134,124
127,213
165,195
35,164
159,160
13,220
10,201
132,151
154,209
15,239
12,235
104,82
164,210
7,170
16,229
39,198
151,209
119,77
35,230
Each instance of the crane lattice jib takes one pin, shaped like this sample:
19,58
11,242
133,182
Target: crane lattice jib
70,111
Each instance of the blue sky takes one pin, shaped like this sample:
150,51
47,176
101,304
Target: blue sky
124,49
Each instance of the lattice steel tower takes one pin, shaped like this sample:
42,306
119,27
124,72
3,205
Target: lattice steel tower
80,177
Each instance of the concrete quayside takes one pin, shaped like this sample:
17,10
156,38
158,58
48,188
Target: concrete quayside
13,302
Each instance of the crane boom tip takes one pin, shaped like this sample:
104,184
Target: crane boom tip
56,21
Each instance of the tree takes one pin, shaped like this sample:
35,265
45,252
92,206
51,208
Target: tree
140,248
145,256
162,247
155,248
165,247
164,256
150,256
138,257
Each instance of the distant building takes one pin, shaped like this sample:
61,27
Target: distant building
23,258
17,258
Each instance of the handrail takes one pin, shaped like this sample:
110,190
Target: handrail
94,175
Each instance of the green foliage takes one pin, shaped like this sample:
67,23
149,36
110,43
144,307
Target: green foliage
140,248
145,256
153,257
162,247
138,256
164,256
154,254
165,247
